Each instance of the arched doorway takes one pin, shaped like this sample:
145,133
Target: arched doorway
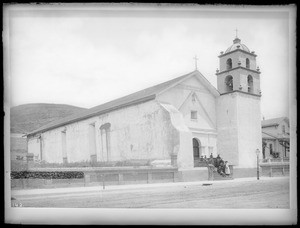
196,151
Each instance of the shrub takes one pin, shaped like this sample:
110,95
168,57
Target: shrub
125,163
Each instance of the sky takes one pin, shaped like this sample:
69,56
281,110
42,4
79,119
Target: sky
88,56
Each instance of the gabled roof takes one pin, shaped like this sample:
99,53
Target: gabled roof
273,122
134,98
200,77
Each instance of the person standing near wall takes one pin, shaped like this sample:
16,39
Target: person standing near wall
227,169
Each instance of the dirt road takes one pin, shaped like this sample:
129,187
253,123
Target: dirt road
271,193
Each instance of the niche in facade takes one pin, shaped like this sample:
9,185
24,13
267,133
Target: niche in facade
105,140
92,143
64,146
250,84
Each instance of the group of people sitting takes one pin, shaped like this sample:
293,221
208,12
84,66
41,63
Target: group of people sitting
221,166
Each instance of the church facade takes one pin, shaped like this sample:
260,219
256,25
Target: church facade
185,117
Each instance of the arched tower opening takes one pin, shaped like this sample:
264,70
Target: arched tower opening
229,83
247,63
250,84
229,64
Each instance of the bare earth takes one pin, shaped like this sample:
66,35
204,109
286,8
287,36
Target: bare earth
270,193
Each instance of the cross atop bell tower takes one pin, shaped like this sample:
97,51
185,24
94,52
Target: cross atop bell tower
196,62
236,33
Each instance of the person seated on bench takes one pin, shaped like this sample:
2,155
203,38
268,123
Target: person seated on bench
218,159
221,169
211,160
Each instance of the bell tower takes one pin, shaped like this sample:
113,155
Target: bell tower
239,124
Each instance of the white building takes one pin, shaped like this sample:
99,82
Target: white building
186,117
276,137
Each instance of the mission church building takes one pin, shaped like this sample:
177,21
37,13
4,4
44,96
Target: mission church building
185,117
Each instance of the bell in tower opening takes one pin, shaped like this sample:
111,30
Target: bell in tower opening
238,71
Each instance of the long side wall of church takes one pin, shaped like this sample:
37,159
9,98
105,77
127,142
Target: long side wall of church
142,131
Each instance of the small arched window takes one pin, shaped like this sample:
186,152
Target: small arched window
229,64
247,63
229,83
250,84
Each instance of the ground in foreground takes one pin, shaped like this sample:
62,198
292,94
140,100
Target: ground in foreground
268,193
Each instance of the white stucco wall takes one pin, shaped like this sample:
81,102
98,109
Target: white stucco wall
180,97
192,95
249,129
183,149
227,138
142,131
239,133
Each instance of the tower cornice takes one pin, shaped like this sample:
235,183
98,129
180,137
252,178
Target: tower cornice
249,53
236,68
233,91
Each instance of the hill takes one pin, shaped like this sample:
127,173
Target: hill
28,117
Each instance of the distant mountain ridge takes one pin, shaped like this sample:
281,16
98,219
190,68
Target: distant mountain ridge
28,117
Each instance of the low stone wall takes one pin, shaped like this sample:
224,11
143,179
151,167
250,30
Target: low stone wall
268,160
104,176
275,169
99,176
